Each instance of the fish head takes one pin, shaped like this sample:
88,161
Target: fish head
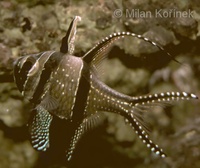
22,67
28,71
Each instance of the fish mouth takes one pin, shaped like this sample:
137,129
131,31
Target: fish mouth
14,63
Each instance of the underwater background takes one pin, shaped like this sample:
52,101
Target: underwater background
134,67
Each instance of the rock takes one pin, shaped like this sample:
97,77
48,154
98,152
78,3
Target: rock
5,57
117,76
18,155
13,111
186,26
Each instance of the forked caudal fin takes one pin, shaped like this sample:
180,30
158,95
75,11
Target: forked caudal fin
140,104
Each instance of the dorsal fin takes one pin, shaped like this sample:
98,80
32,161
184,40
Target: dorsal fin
67,45
99,52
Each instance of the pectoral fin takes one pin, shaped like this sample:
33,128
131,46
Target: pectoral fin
39,128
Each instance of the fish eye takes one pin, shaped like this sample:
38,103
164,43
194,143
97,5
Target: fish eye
21,69
26,67
25,64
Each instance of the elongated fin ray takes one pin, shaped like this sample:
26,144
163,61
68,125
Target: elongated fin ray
78,133
161,99
144,103
39,128
143,135
67,45
87,124
99,52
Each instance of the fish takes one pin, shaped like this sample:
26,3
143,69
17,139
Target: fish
60,84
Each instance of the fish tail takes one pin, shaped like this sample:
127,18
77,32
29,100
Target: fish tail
141,104
143,134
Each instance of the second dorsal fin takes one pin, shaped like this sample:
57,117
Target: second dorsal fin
67,45
99,52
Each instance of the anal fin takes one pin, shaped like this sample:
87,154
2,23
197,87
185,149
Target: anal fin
39,128
87,124
78,133
92,121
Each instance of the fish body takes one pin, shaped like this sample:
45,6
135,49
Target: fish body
69,87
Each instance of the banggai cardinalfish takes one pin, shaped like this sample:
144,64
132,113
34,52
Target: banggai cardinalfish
69,87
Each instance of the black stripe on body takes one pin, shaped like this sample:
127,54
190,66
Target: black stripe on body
82,95
79,109
50,64
20,73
